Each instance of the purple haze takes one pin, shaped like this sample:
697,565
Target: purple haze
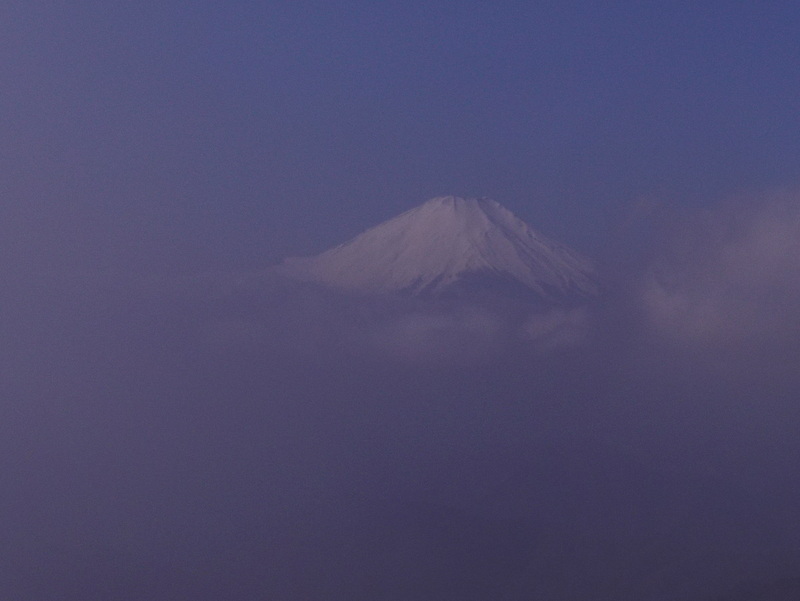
175,425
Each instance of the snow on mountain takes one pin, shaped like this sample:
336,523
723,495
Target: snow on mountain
451,245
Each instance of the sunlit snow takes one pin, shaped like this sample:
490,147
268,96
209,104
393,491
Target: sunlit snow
439,244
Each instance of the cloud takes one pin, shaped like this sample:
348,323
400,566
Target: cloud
309,320
557,328
463,334
219,425
733,277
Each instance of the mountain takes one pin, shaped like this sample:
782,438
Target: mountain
452,246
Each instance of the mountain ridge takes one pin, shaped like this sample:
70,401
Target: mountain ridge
451,245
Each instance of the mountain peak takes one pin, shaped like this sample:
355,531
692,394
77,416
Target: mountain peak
449,244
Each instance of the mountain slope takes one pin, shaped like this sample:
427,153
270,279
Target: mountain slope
451,244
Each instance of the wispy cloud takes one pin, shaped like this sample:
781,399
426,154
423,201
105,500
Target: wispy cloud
316,322
734,276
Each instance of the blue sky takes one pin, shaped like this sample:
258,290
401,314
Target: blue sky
211,134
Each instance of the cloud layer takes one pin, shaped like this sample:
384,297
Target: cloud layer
240,436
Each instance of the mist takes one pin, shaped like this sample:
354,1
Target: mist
240,436
177,421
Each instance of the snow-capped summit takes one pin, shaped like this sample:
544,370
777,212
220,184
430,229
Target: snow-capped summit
450,245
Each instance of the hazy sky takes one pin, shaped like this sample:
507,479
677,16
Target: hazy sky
188,135
230,436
